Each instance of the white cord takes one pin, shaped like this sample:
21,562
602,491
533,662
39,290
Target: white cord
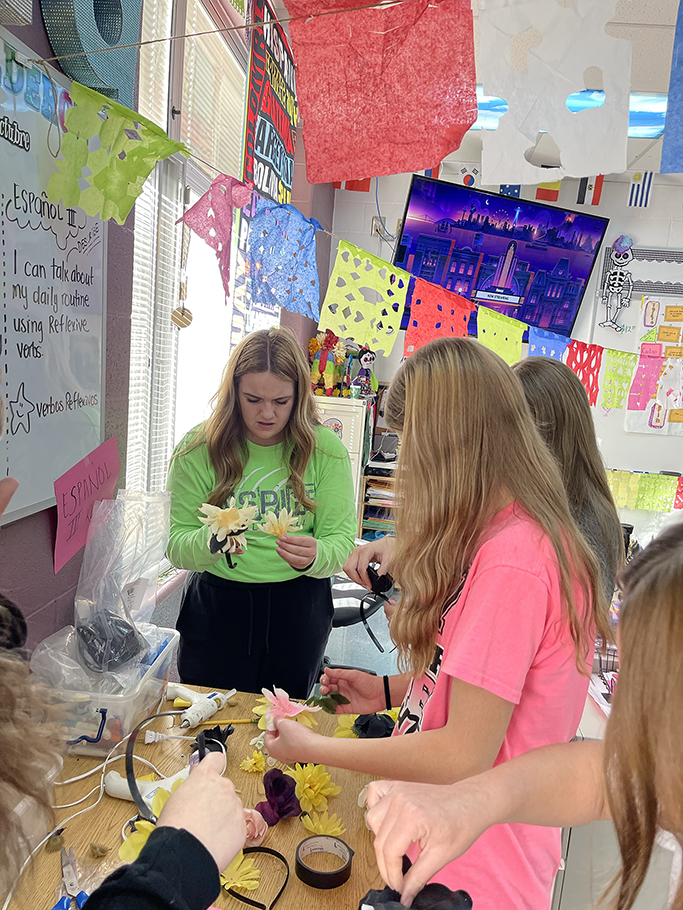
81,800
72,780
62,824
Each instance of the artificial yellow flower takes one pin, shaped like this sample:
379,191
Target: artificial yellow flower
242,874
222,522
132,846
257,763
277,525
393,713
344,727
322,824
307,718
313,786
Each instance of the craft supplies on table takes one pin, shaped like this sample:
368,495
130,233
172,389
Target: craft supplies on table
104,719
103,825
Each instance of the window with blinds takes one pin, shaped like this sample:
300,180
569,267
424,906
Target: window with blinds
213,85
213,97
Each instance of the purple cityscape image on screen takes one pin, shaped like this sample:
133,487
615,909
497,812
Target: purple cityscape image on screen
528,260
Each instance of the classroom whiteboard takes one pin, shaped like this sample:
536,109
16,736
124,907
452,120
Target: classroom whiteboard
53,279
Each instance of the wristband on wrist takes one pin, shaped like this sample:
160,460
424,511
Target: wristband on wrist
387,693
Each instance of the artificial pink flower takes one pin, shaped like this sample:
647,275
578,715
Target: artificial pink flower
256,828
281,705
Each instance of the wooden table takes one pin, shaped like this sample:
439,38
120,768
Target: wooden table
103,824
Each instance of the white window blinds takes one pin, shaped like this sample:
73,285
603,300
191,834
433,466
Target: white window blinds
213,85
213,97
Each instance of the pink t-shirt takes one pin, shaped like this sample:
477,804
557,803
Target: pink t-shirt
505,632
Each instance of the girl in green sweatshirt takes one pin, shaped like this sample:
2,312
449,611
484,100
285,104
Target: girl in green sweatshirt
266,621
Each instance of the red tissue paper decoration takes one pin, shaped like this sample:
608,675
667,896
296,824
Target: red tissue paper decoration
385,90
435,313
211,218
678,499
585,360
644,383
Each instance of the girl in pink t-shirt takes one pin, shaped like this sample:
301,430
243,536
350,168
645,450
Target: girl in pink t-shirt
501,599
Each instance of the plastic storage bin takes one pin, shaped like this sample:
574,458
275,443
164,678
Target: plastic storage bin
84,713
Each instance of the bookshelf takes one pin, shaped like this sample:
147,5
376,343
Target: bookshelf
377,498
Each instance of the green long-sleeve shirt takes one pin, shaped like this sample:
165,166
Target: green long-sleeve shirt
264,484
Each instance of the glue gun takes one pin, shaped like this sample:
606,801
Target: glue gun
201,707
117,786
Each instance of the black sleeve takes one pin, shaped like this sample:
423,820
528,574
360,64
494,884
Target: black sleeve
174,870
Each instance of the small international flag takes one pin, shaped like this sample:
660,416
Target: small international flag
590,190
469,176
640,190
360,186
549,192
433,172
510,189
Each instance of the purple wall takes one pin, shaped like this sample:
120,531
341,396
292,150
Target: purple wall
27,546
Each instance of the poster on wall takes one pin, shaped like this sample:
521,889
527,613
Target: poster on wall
53,265
270,128
659,345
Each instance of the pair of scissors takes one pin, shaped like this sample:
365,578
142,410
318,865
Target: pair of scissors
70,883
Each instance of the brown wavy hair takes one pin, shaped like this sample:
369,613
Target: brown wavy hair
29,748
276,351
644,738
468,441
559,405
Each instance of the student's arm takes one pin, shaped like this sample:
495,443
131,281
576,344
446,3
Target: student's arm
335,522
190,481
468,744
200,831
558,785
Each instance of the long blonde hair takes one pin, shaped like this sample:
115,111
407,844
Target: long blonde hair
29,747
559,405
468,439
274,351
644,738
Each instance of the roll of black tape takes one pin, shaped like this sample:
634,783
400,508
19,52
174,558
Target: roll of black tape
323,843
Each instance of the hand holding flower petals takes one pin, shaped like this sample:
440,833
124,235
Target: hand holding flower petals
279,525
281,705
227,526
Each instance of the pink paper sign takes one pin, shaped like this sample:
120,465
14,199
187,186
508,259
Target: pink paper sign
90,480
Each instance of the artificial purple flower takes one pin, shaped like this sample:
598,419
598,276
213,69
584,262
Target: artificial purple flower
281,801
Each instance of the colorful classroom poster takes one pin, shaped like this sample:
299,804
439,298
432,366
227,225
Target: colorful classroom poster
659,339
270,128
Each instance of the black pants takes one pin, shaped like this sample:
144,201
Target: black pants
254,636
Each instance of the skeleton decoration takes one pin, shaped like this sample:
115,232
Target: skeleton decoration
618,287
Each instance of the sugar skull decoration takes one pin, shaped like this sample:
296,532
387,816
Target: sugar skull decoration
327,353
365,380
618,287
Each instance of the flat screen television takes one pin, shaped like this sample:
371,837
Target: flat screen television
528,260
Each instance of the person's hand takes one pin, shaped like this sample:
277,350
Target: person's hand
297,550
444,821
390,607
291,742
380,551
8,486
364,691
207,806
